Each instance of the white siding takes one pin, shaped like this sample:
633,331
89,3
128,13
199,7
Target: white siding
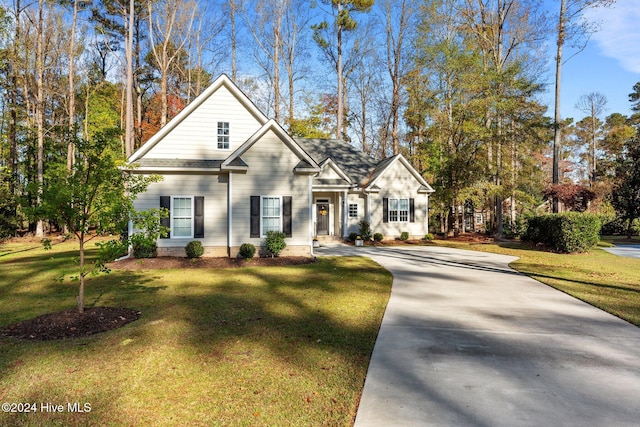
214,190
196,136
398,182
270,173
328,173
353,225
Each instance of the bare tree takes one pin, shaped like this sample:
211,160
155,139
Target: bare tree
398,24
593,104
170,24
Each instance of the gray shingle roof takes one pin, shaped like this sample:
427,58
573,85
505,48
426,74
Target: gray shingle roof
358,165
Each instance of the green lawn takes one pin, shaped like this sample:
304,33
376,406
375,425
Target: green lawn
286,346
604,280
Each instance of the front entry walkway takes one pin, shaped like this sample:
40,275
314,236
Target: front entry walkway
467,341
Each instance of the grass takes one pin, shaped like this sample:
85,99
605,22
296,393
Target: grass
604,280
238,347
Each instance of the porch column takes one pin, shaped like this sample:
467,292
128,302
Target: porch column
426,213
345,210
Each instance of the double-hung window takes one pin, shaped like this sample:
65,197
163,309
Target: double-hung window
182,217
398,210
353,210
271,214
223,135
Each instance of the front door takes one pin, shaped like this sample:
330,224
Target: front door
322,221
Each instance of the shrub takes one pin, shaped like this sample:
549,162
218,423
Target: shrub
428,237
404,236
144,243
247,250
274,242
513,229
194,249
144,247
378,237
352,236
365,230
568,232
111,250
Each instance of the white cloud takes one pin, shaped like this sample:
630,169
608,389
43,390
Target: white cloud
619,35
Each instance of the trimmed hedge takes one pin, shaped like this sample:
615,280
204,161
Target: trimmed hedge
567,232
247,251
274,243
194,249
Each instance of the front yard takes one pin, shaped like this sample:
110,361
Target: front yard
247,346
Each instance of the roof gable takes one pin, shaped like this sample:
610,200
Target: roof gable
386,165
358,166
330,169
306,164
221,82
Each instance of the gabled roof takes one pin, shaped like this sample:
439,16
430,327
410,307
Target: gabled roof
329,163
221,81
351,161
386,164
306,164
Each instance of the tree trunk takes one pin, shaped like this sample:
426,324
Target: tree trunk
234,69
339,72
128,129
40,112
80,299
557,136
72,93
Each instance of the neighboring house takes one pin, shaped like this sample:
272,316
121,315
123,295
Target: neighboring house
231,174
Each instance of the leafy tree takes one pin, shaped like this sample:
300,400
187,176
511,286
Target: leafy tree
626,193
95,193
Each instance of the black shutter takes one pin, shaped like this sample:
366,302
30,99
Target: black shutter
255,217
165,202
385,209
412,210
286,216
198,225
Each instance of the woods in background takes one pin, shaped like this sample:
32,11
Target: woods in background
453,85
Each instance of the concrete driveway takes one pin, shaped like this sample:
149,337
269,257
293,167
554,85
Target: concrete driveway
629,251
467,341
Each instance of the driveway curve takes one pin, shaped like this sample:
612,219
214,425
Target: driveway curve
467,341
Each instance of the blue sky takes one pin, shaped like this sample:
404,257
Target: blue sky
610,64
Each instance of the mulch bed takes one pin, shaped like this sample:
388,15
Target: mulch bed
71,324
205,262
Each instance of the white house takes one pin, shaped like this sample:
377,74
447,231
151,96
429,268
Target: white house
231,174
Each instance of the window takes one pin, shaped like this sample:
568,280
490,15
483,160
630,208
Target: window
398,210
353,210
223,135
182,217
271,214
479,218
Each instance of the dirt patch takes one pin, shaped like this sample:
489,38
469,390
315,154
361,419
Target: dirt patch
71,324
205,262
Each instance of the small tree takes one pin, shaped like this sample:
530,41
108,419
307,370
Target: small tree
149,223
94,193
